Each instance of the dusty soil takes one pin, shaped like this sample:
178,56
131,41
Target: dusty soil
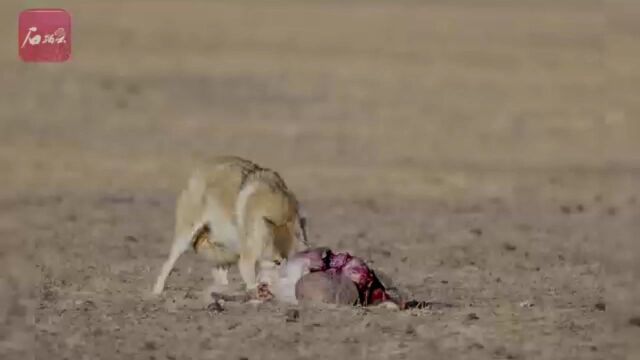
482,153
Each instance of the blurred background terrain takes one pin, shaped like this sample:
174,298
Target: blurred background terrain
483,153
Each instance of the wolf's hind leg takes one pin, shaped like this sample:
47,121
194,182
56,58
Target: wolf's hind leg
180,245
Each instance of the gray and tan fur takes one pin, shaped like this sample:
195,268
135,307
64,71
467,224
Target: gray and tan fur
235,212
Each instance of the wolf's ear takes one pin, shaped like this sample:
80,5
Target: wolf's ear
269,221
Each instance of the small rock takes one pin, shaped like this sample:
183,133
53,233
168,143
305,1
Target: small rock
350,340
292,315
215,307
476,346
472,316
49,295
524,227
370,204
635,321
476,231
431,305
527,304
133,89
612,211
410,330
149,345
122,103
415,304
600,306
566,209
190,295
89,305
502,352
117,199
130,238
205,344
509,247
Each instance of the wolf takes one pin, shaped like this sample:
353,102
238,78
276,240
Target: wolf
235,212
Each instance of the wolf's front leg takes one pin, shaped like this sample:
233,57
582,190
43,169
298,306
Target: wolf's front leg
247,268
220,282
220,276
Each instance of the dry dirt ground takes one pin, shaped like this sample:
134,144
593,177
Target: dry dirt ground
483,153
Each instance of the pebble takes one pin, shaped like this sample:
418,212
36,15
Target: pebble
292,315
